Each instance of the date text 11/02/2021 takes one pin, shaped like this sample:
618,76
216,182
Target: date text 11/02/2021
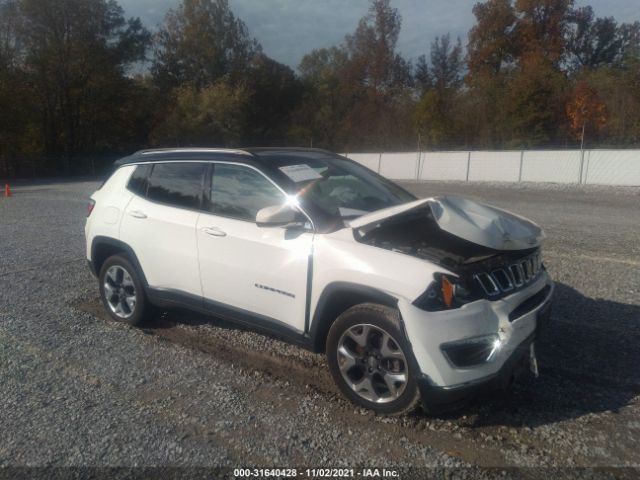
315,473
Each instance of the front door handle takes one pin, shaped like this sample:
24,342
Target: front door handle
214,231
137,214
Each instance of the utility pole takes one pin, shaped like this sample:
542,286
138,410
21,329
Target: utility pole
584,123
418,159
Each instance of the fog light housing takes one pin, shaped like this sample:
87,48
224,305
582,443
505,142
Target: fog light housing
471,352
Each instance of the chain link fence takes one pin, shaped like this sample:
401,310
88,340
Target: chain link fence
596,167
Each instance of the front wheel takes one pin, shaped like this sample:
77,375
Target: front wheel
122,292
370,359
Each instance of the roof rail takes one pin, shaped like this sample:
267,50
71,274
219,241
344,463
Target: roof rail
195,150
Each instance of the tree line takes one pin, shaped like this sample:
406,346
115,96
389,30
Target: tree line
81,84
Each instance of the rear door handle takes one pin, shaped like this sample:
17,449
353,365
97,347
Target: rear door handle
137,214
214,232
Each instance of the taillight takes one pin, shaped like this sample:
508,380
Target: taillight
92,203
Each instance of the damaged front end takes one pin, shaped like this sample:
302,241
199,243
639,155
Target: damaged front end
491,252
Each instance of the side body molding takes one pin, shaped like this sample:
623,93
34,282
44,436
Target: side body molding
335,298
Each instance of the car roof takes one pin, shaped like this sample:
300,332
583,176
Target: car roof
253,155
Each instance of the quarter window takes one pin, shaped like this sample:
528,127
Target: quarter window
138,180
177,184
239,192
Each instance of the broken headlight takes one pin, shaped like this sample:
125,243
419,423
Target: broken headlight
445,292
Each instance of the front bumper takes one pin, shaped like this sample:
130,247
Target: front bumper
92,269
443,383
437,399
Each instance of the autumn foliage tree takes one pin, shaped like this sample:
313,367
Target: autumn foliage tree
70,58
80,83
359,89
206,59
214,114
490,63
585,110
592,42
18,130
535,92
201,42
525,60
435,114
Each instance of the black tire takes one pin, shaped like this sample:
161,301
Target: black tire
387,320
142,309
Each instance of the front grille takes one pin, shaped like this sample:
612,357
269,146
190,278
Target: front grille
511,277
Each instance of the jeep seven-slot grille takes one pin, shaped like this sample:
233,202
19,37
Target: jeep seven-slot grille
511,277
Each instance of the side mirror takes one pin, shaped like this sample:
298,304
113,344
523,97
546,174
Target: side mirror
276,216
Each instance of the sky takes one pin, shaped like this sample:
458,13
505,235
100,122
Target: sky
288,29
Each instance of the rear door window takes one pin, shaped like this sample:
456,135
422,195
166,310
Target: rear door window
177,184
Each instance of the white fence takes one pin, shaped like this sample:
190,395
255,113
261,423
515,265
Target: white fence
599,167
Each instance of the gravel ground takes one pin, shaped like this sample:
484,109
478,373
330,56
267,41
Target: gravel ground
81,390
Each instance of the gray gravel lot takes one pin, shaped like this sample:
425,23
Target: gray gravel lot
78,389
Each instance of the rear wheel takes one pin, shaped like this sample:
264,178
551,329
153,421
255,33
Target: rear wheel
122,292
370,359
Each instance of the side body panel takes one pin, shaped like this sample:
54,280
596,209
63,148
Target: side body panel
164,240
111,201
339,258
262,270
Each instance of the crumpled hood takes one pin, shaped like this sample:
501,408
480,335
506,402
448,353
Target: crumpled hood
482,224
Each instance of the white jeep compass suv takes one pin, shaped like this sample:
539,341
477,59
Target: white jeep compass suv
411,299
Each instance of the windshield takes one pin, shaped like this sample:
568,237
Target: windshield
342,189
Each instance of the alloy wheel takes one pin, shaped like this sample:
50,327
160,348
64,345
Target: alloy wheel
372,363
120,291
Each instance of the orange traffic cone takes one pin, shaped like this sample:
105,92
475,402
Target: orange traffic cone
7,190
